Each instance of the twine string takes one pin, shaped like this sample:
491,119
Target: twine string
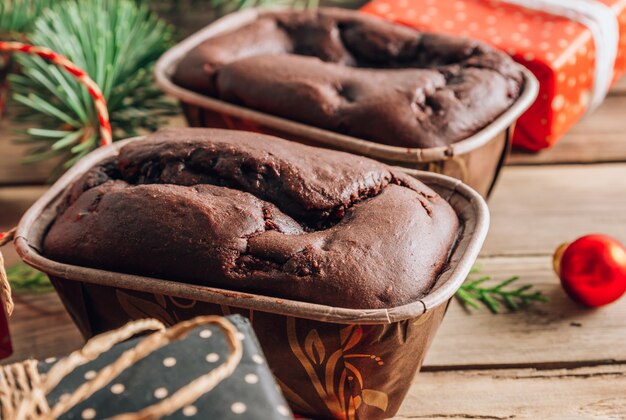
16,380
30,402
201,385
23,390
95,347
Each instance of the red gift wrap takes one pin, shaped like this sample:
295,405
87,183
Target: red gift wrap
560,52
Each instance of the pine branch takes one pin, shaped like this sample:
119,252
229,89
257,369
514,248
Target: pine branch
473,292
117,43
16,20
25,279
17,16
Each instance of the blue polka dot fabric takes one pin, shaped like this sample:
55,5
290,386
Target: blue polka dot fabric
249,393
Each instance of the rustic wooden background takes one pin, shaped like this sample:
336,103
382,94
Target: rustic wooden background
553,360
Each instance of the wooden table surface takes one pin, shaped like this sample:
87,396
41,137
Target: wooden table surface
554,360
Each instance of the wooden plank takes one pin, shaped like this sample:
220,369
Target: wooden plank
516,199
582,393
14,201
557,334
12,170
534,212
553,204
534,209
503,393
40,328
619,88
599,137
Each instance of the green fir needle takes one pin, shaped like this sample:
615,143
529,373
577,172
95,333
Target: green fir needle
25,279
474,292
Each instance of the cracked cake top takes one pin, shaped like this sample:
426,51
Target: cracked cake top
258,214
357,75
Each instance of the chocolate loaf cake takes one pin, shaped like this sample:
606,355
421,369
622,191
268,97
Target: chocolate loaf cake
258,214
357,75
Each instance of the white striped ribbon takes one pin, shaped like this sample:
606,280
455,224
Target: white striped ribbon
603,24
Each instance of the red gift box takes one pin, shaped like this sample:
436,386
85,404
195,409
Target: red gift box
559,51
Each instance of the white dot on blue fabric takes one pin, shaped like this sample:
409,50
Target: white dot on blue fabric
238,408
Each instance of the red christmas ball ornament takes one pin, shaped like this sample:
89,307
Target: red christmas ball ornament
592,269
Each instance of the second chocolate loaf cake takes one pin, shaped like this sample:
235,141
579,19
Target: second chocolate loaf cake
357,75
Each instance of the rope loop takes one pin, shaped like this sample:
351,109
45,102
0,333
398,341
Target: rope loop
23,389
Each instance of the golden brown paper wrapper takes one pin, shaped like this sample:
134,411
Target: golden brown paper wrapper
330,362
325,370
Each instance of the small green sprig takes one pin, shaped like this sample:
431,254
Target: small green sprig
473,292
25,279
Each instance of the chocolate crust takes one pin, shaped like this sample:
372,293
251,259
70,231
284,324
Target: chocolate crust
257,214
358,75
